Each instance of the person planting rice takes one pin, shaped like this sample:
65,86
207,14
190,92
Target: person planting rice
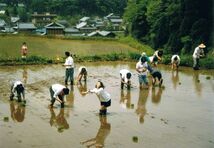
175,61
198,53
125,76
82,73
157,57
141,68
57,92
17,88
104,96
156,75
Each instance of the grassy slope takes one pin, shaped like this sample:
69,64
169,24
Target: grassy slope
10,47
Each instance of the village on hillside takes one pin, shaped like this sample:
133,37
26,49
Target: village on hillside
48,24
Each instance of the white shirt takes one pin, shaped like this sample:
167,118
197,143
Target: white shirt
141,67
69,62
15,85
102,94
123,73
197,52
57,89
173,59
80,69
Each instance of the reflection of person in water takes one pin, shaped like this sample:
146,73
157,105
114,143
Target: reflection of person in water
17,111
69,101
141,106
24,75
82,87
198,85
175,78
102,134
58,121
156,96
125,99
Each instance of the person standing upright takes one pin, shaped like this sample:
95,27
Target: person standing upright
69,65
24,50
198,53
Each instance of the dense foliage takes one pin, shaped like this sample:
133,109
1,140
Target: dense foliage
72,7
178,26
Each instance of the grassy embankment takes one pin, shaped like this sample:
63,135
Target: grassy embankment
44,50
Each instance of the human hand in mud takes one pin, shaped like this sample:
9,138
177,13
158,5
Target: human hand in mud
85,92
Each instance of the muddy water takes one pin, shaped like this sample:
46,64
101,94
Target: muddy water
180,114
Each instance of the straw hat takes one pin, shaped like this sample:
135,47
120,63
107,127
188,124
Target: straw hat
202,46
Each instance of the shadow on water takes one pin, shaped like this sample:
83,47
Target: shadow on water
197,83
24,75
82,87
58,121
125,99
141,104
99,140
175,78
156,94
17,111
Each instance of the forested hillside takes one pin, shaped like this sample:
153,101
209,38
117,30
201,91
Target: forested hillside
72,7
178,26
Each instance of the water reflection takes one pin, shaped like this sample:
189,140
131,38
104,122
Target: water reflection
197,83
59,120
82,87
103,132
17,111
141,105
25,75
175,78
156,94
125,99
69,101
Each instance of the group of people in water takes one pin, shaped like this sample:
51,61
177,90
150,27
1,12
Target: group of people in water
145,65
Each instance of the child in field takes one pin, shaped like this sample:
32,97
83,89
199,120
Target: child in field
82,73
141,68
24,50
104,96
156,75
57,92
17,88
175,61
125,76
156,57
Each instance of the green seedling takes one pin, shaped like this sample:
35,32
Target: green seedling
6,119
132,106
135,139
208,77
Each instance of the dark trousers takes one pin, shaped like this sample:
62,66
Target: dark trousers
69,73
196,63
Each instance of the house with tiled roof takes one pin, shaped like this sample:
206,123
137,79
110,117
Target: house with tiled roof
54,28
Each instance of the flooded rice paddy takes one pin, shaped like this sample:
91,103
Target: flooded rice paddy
180,114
